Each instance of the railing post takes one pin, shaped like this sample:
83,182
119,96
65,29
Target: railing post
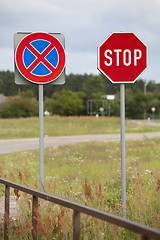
76,225
6,214
145,238
34,217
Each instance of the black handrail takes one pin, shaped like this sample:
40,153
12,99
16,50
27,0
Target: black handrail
145,231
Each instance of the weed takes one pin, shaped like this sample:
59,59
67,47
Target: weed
77,173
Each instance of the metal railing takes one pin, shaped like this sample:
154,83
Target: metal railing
145,231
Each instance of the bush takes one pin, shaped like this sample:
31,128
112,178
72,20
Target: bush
66,103
19,106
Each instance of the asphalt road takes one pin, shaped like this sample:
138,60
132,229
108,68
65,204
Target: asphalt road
18,145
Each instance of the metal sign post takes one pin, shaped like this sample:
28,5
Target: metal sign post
122,57
40,59
123,162
41,140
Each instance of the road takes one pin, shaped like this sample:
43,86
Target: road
18,145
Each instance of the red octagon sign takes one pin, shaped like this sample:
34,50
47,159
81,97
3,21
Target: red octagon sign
122,57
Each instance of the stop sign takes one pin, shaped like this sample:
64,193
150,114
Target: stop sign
122,57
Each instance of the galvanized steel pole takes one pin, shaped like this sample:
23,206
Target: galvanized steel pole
123,163
41,140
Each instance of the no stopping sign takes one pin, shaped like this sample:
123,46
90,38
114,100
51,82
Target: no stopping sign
40,58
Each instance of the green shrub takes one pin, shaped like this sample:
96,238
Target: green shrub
66,103
19,106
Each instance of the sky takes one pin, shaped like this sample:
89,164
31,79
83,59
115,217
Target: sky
85,25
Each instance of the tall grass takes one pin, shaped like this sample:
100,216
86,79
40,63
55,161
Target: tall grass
90,174
60,126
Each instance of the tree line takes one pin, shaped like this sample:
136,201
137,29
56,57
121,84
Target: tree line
80,95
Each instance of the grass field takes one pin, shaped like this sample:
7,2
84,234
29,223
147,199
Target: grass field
90,174
59,126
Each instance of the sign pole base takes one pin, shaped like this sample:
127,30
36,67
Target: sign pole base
123,163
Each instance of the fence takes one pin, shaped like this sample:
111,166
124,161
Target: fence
145,232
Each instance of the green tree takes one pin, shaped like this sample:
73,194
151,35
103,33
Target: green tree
153,101
93,85
115,106
1,83
151,86
66,103
9,88
136,103
27,94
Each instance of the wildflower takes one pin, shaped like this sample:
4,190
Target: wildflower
88,189
158,184
16,192
48,223
21,230
20,175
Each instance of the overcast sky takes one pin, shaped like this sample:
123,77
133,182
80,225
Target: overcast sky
85,25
